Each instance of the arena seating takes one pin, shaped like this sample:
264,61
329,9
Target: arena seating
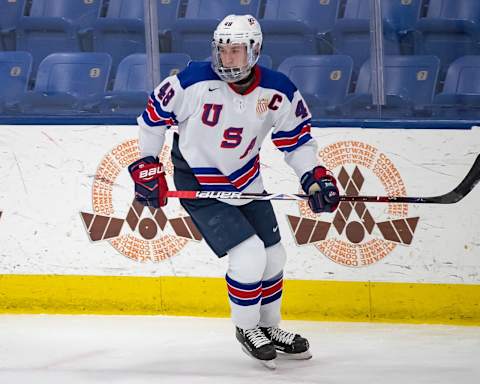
69,83
432,50
10,11
461,91
130,90
351,34
122,32
409,87
298,27
15,69
450,29
50,26
323,80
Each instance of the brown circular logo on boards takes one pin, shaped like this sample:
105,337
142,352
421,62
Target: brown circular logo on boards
357,234
145,233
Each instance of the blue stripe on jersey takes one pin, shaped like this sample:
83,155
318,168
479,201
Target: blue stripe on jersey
159,123
276,80
160,111
195,72
155,116
206,171
300,142
235,185
243,170
237,176
293,132
250,181
202,173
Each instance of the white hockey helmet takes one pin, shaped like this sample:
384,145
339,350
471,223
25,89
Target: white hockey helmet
236,29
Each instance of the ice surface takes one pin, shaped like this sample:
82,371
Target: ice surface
157,349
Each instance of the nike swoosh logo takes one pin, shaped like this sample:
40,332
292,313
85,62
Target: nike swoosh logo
275,229
212,89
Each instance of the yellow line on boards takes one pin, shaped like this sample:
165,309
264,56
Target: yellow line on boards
199,296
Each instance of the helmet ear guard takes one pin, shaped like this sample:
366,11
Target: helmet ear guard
236,29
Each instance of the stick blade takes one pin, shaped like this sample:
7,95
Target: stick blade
463,189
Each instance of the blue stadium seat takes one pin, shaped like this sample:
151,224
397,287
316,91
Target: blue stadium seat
168,13
69,83
401,15
130,90
449,30
323,80
15,69
218,9
54,26
193,34
298,27
461,89
318,15
81,13
122,31
351,34
410,83
9,14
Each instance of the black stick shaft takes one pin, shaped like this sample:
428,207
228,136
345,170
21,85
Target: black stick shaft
462,189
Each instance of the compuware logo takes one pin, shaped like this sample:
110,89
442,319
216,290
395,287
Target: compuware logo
142,234
357,235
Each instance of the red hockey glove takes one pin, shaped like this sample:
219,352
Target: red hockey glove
150,184
322,189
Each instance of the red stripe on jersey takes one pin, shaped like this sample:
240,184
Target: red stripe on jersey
240,181
292,140
155,117
214,179
152,113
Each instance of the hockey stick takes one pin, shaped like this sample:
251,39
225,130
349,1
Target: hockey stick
462,190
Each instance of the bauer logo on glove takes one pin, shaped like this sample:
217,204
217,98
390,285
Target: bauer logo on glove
148,174
150,184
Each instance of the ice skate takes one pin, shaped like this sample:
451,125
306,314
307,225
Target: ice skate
256,345
292,346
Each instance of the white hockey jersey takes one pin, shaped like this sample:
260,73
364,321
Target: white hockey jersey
221,131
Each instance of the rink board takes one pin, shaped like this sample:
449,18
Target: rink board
196,296
68,220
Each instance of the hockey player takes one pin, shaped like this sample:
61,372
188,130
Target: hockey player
224,109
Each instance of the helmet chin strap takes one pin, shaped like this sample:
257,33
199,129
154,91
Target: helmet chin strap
247,79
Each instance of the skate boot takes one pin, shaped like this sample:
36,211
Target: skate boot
256,345
291,345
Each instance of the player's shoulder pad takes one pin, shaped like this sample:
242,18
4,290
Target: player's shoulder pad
195,72
277,80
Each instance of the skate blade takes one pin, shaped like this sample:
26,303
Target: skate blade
295,356
270,364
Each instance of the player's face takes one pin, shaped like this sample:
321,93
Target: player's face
233,55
